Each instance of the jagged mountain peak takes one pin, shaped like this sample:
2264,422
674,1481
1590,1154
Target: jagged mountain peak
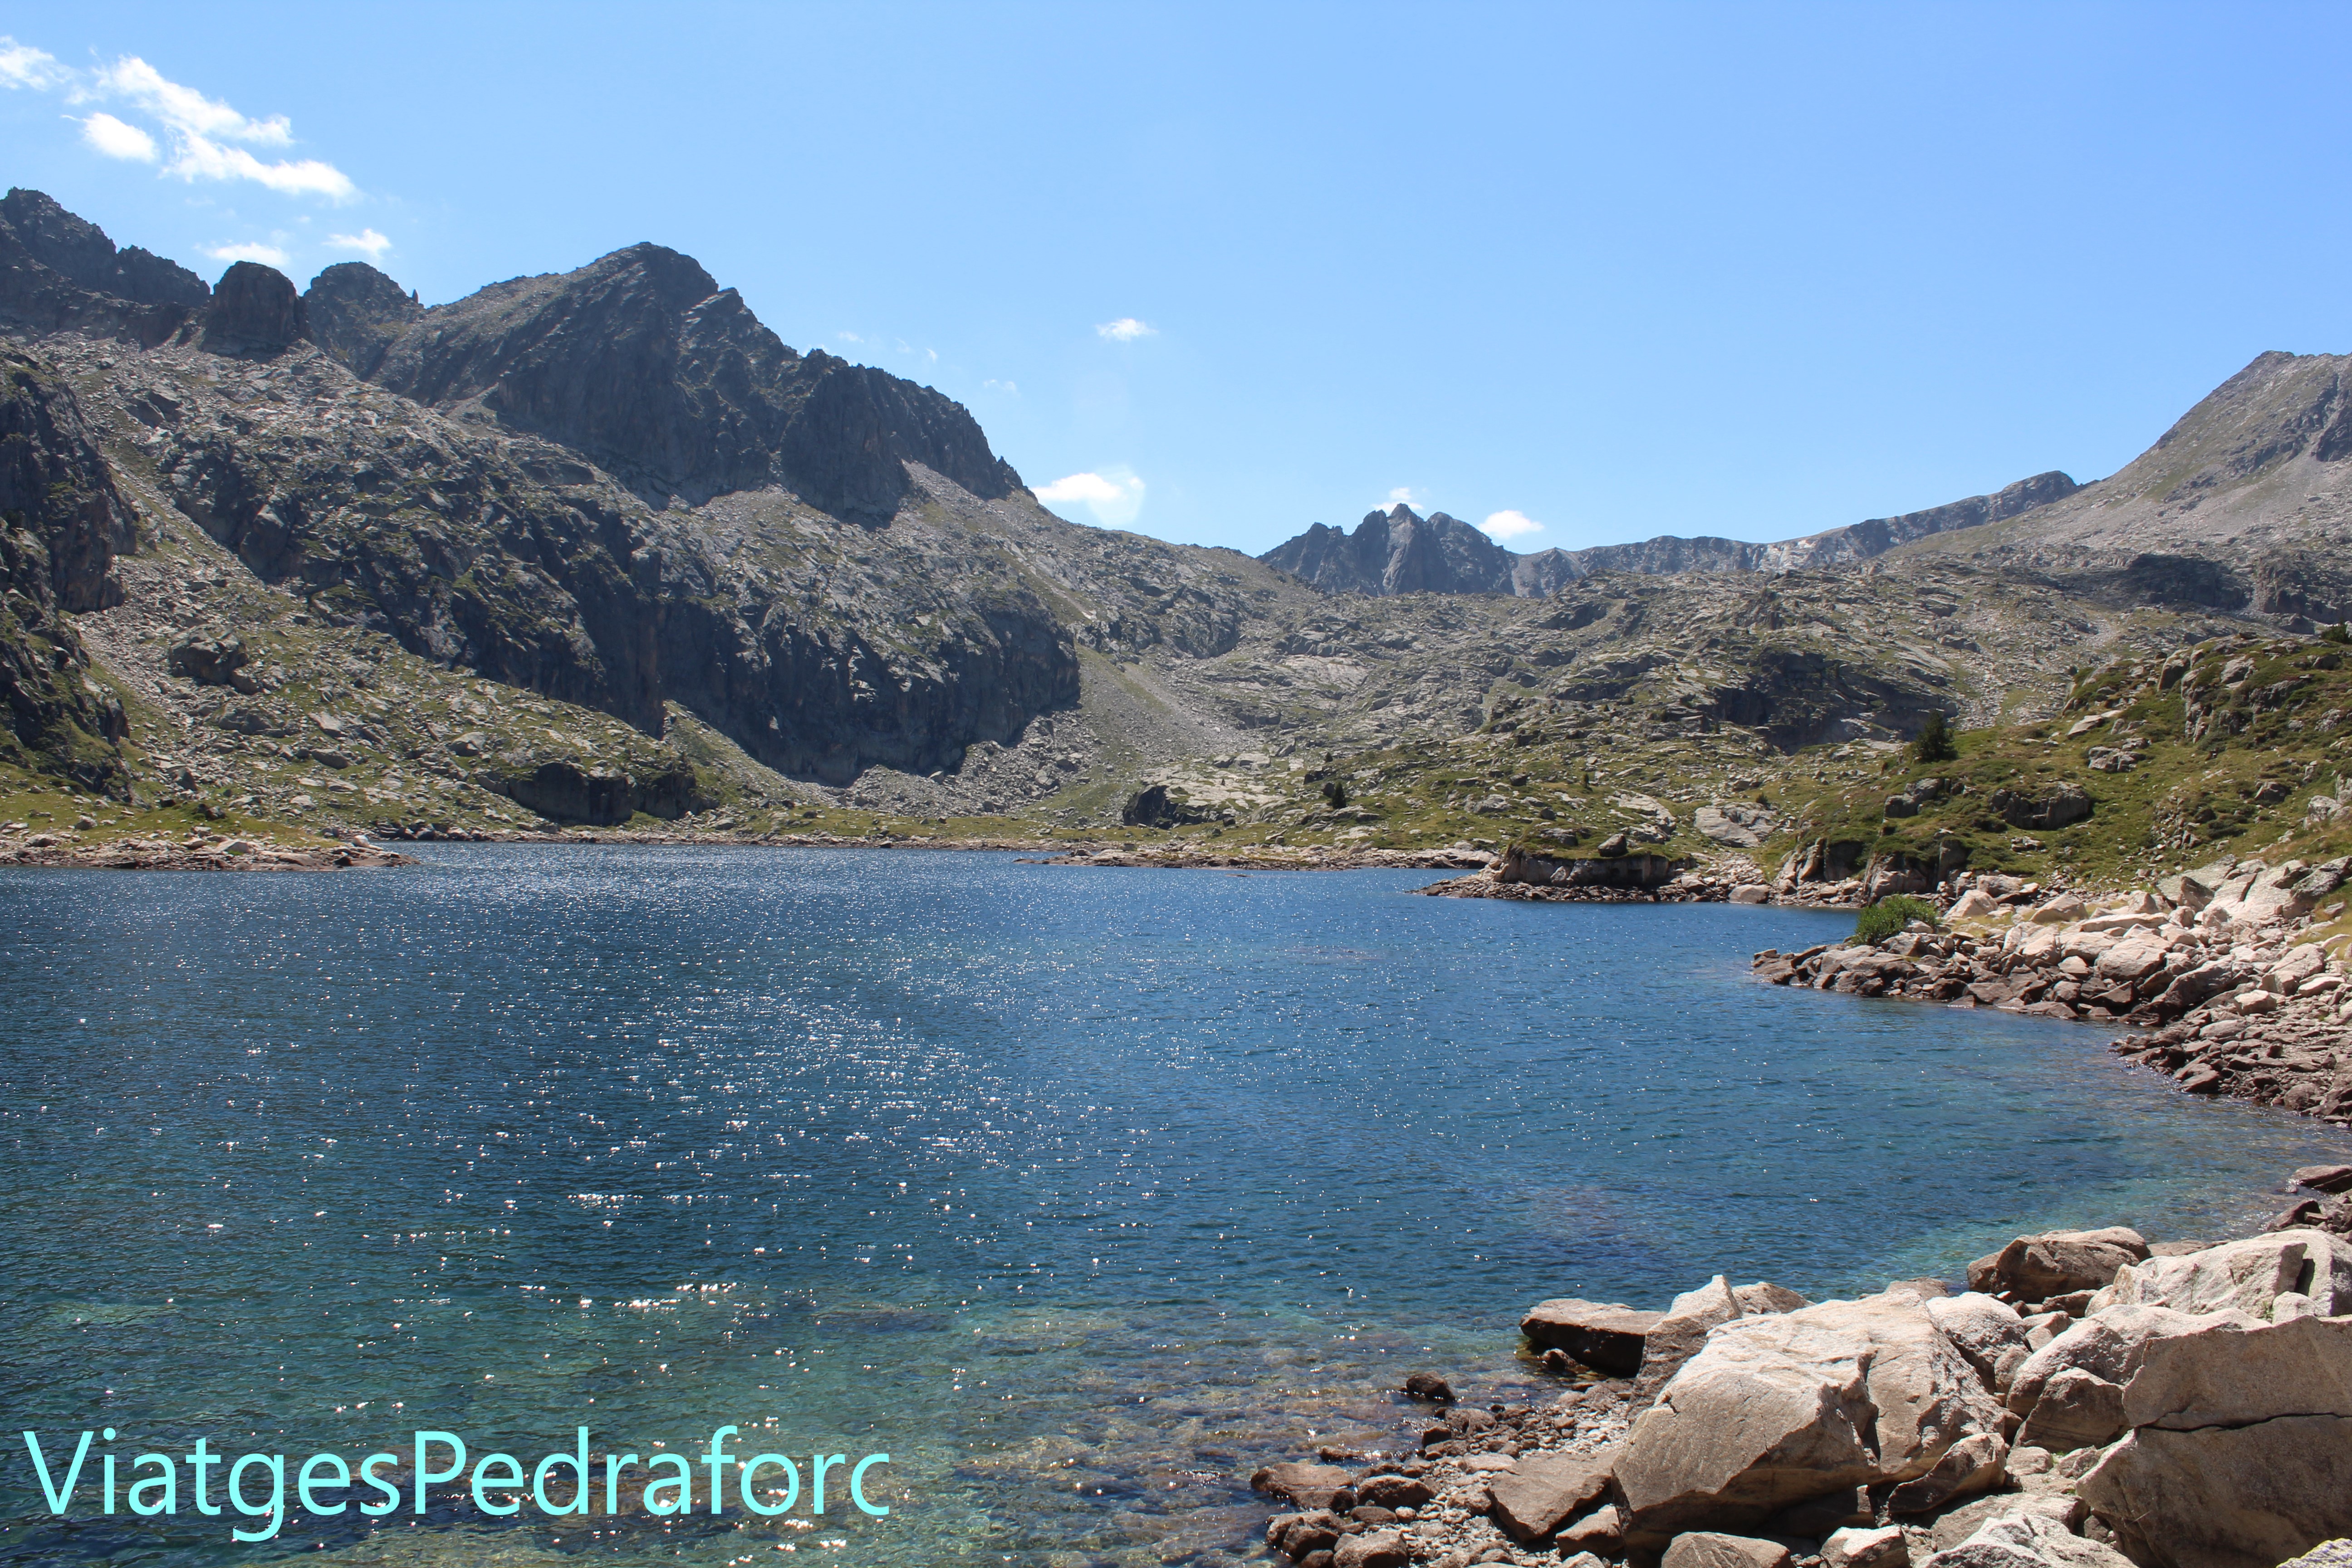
644,363
79,249
1398,552
59,272
357,313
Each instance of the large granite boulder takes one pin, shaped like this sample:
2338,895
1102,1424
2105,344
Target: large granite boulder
1983,1328
1712,1549
2028,1540
1779,1409
2331,1554
1607,1336
2287,1273
2076,1409
2226,1497
2057,1263
1677,1335
2060,806
2107,1346
2228,1372
2240,1453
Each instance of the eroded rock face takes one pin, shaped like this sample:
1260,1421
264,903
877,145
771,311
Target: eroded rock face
254,312
2061,806
61,272
61,523
1776,1410
1398,552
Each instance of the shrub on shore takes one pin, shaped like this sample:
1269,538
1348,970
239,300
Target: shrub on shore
1891,914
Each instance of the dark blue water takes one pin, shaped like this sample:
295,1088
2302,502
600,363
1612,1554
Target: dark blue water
1077,1192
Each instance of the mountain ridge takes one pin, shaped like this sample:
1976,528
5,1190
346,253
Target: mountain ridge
1399,551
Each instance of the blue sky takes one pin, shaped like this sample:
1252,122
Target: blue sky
1217,272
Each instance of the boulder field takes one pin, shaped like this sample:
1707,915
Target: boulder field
2090,1401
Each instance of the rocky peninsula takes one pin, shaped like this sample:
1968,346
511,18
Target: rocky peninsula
2238,971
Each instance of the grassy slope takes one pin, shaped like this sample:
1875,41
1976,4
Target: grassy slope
2239,787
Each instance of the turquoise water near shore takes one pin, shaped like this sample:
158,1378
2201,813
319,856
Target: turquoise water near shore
1078,1192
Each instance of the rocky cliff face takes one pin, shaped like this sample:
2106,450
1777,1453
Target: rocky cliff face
356,314
61,523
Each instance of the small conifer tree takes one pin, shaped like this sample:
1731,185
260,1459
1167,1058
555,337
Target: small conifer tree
1934,741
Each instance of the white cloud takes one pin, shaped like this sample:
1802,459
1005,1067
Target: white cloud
117,139
1509,524
21,65
1125,330
253,250
1009,387
183,108
201,130
1115,495
196,158
1405,495
367,242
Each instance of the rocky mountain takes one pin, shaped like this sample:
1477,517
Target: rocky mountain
596,544
60,273
2244,506
1397,552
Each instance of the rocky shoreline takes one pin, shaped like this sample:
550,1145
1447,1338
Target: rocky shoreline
2217,963
195,853
1275,858
2089,1400
1622,877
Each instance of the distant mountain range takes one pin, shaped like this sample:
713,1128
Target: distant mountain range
2245,504
1400,551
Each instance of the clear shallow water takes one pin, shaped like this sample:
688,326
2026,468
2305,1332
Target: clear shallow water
1079,1192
